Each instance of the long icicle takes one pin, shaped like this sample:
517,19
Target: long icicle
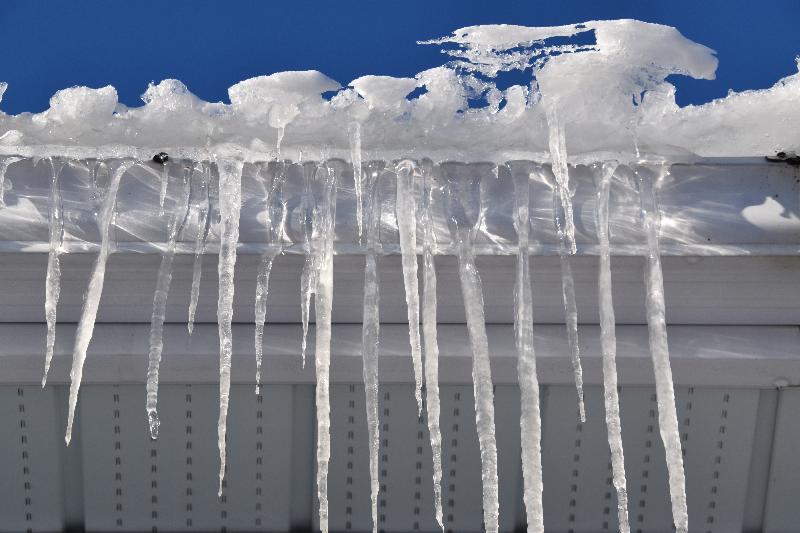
325,219
370,341
175,224
570,306
276,219
230,204
203,227
354,131
53,279
405,210
530,420
659,350
431,339
94,291
308,278
462,234
608,343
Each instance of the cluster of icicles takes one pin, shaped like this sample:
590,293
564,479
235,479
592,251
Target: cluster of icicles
417,185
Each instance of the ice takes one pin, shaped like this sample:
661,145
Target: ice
94,291
431,339
558,156
308,278
164,184
175,223
355,159
203,207
462,201
568,294
659,349
405,211
370,338
608,343
275,220
4,164
530,419
322,249
230,204
53,278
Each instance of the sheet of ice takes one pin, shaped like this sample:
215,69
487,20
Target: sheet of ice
406,213
94,291
52,289
607,80
530,421
175,223
202,204
370,336
230,204
568,295
608,343
659,349
462,230
431,339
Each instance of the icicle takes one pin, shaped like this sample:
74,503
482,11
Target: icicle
608,342
558,154
83,335
308,278
53,278
276,219
262,290
463,234
203,225
322,247
405,210
530,420
230,204
164,183
176,222
355,157
430,336
570,307
659,350
369,342
4,164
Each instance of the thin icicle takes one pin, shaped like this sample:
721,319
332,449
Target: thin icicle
322,244
4,164
463,234
558,153
162,195
91,303
176,222
405,211
570,306
530,420
369,344
230,204
608,343
659,350
262,290
203,225
275,210
431,338
308,278
354,130
53,278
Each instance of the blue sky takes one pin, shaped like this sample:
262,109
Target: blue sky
49,45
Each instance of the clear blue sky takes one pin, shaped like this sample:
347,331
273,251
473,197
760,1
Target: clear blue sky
49,45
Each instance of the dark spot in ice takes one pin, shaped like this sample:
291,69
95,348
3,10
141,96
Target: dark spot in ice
161,158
